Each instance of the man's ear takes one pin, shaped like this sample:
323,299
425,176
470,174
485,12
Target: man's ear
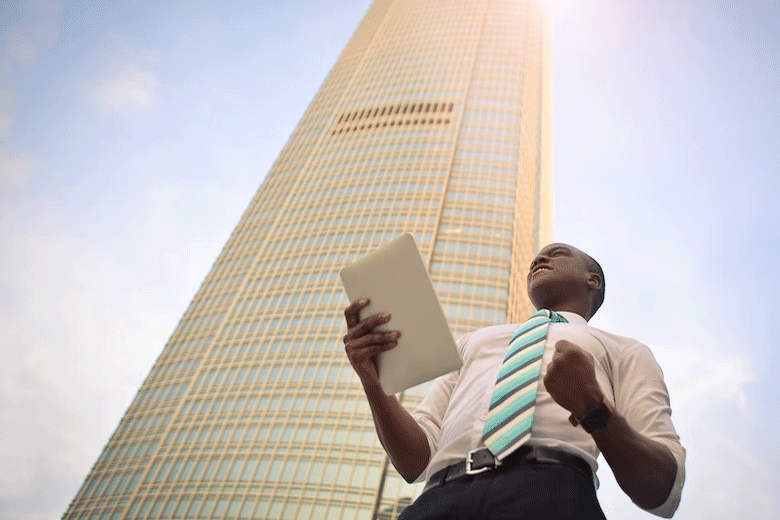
594,281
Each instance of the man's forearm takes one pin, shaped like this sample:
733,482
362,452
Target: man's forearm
645,469
403,439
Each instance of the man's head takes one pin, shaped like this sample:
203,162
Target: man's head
563,278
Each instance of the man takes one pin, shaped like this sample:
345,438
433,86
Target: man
596,392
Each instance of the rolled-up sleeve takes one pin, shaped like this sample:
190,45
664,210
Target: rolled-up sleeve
642,398
429,414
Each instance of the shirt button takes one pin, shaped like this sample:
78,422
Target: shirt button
484,417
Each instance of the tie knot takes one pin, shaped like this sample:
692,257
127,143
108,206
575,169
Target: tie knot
552,315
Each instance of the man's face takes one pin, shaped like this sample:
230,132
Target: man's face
559,271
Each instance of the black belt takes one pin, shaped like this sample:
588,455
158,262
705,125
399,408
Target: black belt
481,460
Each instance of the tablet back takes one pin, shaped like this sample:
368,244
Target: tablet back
395,279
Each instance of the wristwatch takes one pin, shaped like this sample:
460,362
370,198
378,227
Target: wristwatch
596,417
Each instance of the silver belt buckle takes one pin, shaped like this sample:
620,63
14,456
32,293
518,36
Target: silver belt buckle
470,461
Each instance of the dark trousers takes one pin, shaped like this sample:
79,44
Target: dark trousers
521,492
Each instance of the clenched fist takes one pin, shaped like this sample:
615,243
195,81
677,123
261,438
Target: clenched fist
571,379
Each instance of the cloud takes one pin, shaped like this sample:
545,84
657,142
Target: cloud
127,81
19,46
131,89
697,378
17,168
25,41
6,122
6,113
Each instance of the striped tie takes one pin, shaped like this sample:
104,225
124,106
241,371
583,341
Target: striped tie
511,415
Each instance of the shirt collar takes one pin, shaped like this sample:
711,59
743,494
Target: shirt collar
573,317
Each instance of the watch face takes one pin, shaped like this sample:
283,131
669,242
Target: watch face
596,418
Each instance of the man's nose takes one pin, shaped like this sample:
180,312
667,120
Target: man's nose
538,260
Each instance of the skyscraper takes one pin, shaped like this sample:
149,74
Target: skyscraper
433,120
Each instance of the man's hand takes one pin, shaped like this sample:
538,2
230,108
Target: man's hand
571,379
362,344
403,439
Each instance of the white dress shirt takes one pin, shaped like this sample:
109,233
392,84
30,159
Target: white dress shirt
452,414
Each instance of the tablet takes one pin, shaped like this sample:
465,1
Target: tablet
395,279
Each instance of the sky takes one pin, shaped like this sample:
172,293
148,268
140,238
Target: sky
134,134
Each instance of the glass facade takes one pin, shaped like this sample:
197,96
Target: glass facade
434,120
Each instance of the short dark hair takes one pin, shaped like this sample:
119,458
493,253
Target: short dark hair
594,267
